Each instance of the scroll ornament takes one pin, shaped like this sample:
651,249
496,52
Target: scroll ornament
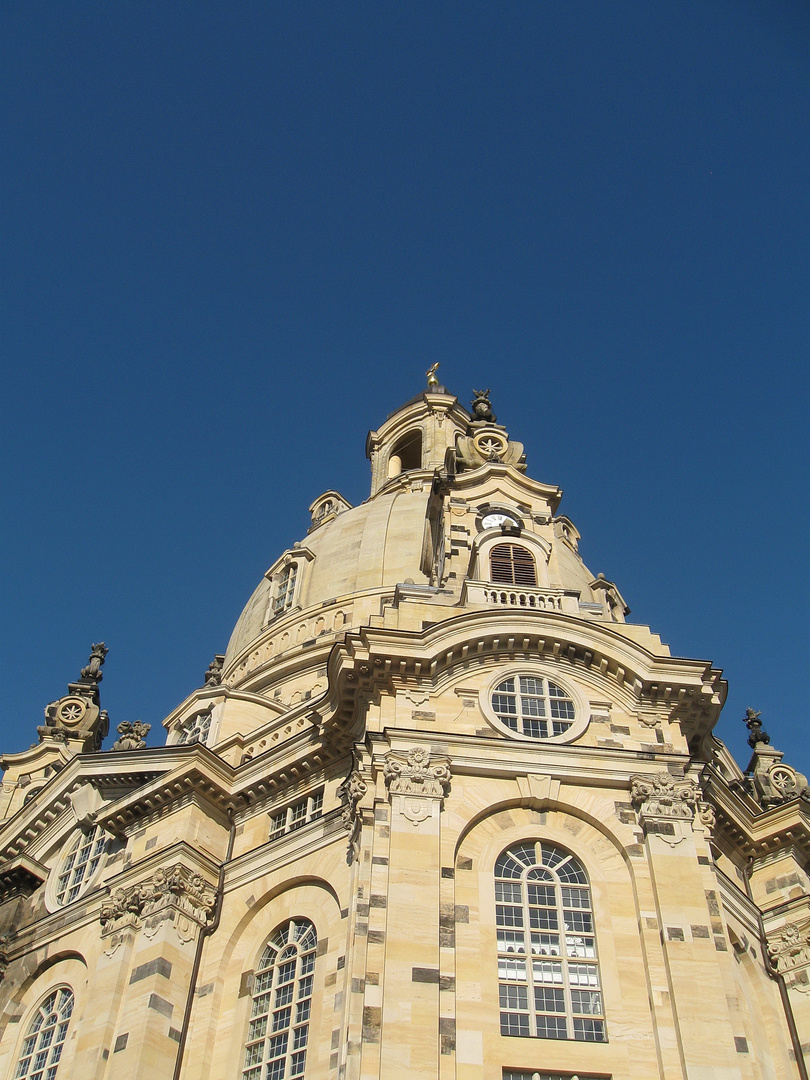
790,947
416,782
662,795
174,887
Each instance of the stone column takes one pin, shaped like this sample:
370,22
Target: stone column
417,782
155,923
693,947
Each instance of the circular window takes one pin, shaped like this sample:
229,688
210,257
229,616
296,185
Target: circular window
532,706
79,865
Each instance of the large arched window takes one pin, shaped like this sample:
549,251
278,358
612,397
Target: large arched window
79,865
511,564
548,972
278,1032
45,1039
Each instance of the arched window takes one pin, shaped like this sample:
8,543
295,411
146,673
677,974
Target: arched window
79,865
278,1033
45,1039
196,728
285,590
548,972
511,564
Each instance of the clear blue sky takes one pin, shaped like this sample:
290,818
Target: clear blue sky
236,234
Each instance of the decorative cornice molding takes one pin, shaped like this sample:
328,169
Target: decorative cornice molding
20,876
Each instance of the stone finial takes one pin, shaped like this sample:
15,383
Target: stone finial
756,732
77,719
133,735
432,380
213,675
91,672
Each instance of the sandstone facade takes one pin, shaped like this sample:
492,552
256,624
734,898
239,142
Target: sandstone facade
438,811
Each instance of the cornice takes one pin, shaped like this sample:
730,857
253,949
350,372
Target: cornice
370,658
756,833
106,771
20,877
476,478
500,759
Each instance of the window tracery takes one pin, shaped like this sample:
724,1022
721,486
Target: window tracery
278,1030
533,705
79,865
45,1038
548,972
196,728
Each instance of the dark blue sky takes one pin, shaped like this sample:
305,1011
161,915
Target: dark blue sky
235,235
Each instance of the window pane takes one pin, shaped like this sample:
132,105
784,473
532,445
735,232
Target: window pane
511,969
548,999
552,1027
510,941
513,997
514,1024
589,1030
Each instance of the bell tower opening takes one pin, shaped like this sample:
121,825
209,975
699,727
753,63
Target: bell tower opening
406,455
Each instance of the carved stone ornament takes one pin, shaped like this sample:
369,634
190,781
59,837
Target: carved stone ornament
213,675
175,888
706,815
417,782
774,782
351,791
789,947
132,735
4,942
662,795
92,671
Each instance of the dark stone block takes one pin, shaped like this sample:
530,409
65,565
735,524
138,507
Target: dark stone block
425,975
159,1004
159,966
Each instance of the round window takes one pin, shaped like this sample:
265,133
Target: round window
533,706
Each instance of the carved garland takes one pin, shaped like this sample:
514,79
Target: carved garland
351,791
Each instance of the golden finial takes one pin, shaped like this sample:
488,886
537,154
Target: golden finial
431,376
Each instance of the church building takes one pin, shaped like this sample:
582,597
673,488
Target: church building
440,812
